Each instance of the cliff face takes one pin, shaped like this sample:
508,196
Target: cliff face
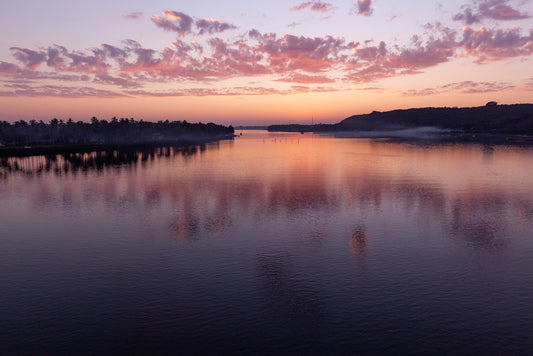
517,119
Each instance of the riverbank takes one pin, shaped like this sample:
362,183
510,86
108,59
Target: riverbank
38,150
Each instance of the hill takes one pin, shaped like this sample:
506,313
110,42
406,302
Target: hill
491,119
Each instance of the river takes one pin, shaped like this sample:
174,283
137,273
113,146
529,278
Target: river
269,243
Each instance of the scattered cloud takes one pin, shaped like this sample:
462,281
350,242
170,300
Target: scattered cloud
174,21
306,79
315,5
490,45
133,15
182,24
468,17
235,91
212,26
490,9
15,90
363,7
30,58
464,87
500,10
305,62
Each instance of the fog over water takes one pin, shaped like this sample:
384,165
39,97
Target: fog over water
270,243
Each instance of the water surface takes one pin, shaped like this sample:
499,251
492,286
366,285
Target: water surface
274,243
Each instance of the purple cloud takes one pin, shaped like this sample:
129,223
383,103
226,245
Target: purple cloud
30,58
310,61
6,67
363,7
314,5
499,10
491,9
183,24
468,17
174,21
490,45
212,26
133,15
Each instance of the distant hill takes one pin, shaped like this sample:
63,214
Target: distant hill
491,118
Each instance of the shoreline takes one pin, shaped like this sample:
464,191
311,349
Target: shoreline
41,150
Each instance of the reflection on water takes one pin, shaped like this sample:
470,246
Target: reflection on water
93,161
261,234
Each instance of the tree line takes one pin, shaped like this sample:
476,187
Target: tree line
114,131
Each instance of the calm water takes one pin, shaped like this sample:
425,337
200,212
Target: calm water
273,243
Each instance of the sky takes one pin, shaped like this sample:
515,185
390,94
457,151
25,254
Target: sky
251,62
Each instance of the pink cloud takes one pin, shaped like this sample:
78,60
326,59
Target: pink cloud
465,87
420,92
58,91
314,5
123,81
289,58
306,79
235,91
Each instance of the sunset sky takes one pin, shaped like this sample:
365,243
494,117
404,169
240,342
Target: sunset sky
251,62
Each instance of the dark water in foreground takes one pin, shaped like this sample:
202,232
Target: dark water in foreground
273,243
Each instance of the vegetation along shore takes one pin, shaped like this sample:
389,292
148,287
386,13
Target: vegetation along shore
57,136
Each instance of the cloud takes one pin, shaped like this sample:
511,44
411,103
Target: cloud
499,10
315,5
468,17
490,9
363,7
235,91
490,45
376,62
6,67
30,58
421,92
301,60
183,24
123,81
58,91
212,26
174,21
133,15
306,79
464,87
